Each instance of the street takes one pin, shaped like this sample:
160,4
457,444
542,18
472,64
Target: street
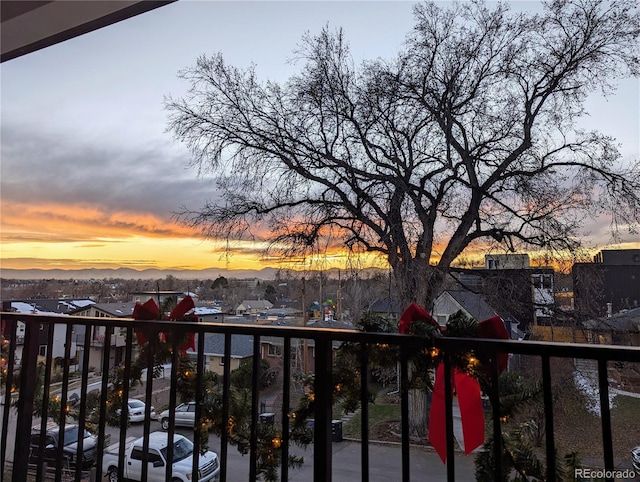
385,461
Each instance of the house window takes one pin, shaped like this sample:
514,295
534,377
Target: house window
542,281
275,350
222,360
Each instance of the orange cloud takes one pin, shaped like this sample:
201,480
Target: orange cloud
22,222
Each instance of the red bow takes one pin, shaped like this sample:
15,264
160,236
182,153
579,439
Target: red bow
179,311
150,311
147,311
467,390
415,313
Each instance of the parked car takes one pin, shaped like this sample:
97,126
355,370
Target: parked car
137,410
635,457
208,463
185,416
69,441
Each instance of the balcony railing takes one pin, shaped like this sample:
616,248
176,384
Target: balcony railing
39,328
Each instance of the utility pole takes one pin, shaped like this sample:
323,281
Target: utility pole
321,300
339,300
304,324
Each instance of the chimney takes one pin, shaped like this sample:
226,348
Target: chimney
609,310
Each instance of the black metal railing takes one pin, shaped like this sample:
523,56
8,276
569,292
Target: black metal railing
39,347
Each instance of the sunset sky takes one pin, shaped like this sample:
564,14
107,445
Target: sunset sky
89,177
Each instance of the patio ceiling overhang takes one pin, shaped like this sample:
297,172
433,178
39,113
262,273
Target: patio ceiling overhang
28,26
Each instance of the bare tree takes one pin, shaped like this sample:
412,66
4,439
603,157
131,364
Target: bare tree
468,135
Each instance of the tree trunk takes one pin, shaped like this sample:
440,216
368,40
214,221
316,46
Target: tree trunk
418,412
417,281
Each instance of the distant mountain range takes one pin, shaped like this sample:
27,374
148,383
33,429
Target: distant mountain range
129,273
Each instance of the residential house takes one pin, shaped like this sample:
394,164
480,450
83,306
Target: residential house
241,349
507,261
390,308
532,286
473,305
253,307
610,284
291,314
302,351
622,328
509,284
49,307
118,339
208,313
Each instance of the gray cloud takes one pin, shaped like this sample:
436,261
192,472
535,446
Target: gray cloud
43,167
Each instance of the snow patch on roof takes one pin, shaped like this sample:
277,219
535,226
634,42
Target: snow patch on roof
26,308
203,310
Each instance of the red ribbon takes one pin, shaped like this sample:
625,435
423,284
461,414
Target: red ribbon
467,390
470,402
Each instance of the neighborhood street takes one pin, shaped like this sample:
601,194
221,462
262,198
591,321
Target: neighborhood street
385,459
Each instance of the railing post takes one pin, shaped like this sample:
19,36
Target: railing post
173,397
495,408
364,411
12,339
323,393
404,412
255,395
28,373
199,398
44,414
448,410
605,416
83,397
286,395
126,378
102,418
548,416
226,394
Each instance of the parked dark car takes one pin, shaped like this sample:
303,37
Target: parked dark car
52,440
